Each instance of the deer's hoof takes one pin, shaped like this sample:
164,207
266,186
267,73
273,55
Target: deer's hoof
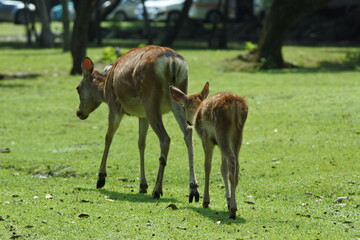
194,193
156,194
143,188
101,180
206,204
232,213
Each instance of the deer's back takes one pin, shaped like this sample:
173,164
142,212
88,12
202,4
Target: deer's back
222,112
145,74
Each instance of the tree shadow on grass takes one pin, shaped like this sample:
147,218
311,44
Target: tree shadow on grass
130,197
216,216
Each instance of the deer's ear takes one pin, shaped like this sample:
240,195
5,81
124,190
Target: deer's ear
205,92
87,66
177,94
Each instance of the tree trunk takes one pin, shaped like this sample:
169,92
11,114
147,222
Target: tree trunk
223,36
79,37
106,11
147,27
172,32
66,25
213,39
46,38
282,16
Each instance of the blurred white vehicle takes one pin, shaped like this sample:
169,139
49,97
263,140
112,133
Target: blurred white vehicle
160,10
15,11
123,11
208,10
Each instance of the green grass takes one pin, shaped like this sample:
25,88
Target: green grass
300,154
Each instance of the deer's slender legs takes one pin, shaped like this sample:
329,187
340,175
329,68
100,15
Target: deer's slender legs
187,131
143,128
114,121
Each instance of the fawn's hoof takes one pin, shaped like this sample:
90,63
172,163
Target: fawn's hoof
101,180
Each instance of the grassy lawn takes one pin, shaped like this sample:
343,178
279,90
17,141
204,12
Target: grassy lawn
299,162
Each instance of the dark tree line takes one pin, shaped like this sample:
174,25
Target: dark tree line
282,15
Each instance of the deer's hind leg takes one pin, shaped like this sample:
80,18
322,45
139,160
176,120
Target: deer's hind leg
208,147
229,170
154,117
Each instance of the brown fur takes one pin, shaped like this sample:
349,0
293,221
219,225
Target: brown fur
219,120
137,84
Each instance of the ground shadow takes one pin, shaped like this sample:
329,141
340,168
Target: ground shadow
216,216
130,197
213,215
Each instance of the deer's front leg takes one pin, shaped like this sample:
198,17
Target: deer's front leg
143,128
114,121
194,193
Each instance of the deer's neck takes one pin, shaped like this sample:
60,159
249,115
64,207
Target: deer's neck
100,86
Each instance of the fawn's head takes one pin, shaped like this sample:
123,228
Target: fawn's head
191,102
90,89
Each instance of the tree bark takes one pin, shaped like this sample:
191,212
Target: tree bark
46,38
79,39
66,25
172,32
147,27
106,11
282,16
223,37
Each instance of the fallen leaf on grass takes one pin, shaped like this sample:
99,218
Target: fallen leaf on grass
341,205
48,196
83,215
182,228
172,206
341,199
16,236
5,150
248,202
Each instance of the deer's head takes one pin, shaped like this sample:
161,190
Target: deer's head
90,89
191,102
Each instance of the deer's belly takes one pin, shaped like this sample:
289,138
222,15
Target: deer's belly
134,107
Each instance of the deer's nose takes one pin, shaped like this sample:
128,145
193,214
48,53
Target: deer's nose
81,115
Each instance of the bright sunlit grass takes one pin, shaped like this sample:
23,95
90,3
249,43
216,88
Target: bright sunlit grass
300,155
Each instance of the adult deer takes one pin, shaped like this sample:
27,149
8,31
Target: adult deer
138,84
219,120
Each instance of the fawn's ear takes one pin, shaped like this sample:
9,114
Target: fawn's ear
177,94
87,66
205,92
